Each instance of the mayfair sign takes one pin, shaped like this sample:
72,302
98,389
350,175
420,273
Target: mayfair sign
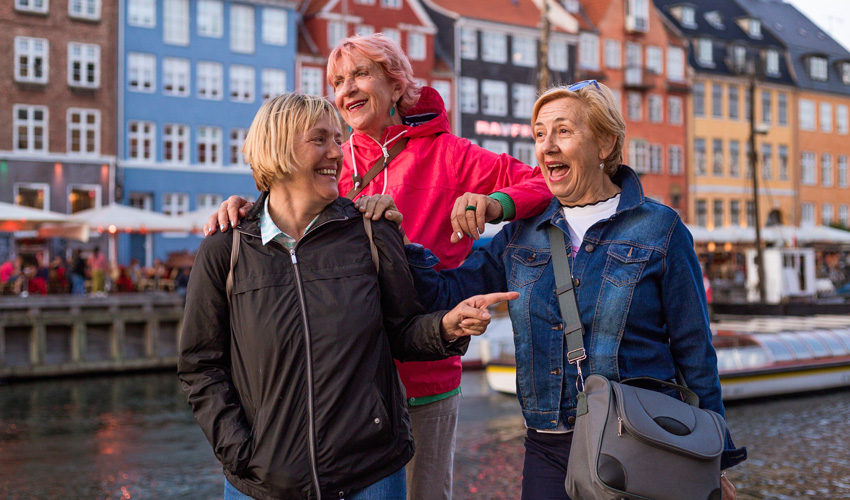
498,129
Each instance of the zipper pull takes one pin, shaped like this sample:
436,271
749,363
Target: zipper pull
619,426
292,254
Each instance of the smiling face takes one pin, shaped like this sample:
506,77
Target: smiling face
569,154
364,95
318,153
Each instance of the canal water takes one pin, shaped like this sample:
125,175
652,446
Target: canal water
133,437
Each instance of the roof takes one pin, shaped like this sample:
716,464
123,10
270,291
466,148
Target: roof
513,12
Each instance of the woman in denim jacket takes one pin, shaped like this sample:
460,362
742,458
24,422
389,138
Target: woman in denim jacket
637,280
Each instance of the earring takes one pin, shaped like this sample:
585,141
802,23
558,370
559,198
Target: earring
602,166
349,129
392,110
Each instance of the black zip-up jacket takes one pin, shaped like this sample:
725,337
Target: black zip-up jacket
294,385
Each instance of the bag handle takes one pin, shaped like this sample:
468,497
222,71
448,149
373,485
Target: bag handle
688,396
234,256
360,184
573,328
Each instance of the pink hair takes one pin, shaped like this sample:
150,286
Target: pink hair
385,53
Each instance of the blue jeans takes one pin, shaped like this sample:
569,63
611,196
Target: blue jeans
392,487
78,284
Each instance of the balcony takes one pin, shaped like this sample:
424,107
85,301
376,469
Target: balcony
637,78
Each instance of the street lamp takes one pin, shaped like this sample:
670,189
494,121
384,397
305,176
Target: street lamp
755,129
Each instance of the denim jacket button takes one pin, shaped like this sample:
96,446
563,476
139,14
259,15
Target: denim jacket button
556,371
571,420
588,248
576,282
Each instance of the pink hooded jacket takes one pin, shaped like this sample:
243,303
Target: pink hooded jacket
425,179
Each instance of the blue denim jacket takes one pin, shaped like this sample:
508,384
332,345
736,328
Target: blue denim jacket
639,290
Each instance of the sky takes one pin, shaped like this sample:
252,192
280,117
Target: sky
833,16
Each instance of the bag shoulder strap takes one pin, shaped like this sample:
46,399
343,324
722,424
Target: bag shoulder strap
234,256
376,169
367,224
573,329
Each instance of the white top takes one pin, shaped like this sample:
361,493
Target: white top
580,218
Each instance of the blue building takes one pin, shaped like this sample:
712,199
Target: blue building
191,76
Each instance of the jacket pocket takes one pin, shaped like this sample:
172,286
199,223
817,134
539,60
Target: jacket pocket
369,428
625,263
527,266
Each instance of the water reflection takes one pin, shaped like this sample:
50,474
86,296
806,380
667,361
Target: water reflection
133,437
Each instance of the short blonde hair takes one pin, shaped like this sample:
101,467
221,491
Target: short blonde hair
600,112
387,54
269,145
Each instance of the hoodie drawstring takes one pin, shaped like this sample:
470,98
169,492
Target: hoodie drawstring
356,177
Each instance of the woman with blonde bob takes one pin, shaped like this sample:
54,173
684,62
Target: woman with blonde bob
292,322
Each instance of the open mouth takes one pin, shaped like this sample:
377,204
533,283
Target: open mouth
356,105
557,171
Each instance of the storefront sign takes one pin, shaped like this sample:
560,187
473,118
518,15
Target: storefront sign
500,129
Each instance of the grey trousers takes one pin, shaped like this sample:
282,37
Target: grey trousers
429,474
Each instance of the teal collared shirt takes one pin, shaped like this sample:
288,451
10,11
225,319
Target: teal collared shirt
269,230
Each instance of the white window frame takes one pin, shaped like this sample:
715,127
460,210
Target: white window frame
275,26
416,46
782,162
494,47
688,18
95,188
84,9
843,171
524,152
808,172
210,80
655,59
83,128
337,31
771,63
825,116
393,34
637,15
818,68
807,115
30,124
144,67
675,64
242,83
588,44
844,72
207,201
176,76
391,4
523,97
826,173
468,95
273,82
613,54
175,22
705,52
32,6
735,158
242,29
444,88
494,97
842,119
843,218
700,161
766,161
639,155
236,140
655,105
33,186
558,55
37,54
524,51
754,28
674,110
208,142
675,156
210,18
145,135
364,30
468,43
826,214
87,56
807,214
634,106
174,204
656,159
717,162
141,13
175,136
312,80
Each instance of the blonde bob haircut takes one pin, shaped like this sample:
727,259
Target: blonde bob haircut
269,145
385,53
600,113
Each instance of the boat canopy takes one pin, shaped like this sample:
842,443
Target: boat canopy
740,351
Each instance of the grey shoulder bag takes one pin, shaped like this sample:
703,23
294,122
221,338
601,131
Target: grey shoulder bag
629,442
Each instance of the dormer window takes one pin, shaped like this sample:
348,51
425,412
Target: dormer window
818,68
637,15
844,68
714,19
705,52
751,26
687,17
739,58
771,63
572,6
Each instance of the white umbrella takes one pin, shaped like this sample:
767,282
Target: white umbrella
17,218
116,218
194,221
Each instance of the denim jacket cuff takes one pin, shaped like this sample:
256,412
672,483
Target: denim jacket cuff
419,256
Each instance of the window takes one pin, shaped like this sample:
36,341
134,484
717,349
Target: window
523,100
468,43
210,80
86,9
675,64
525,153
842,216
705,52
826,169
365,2
588,45
771,63
39,6
237,140
739,58
31,59
766,111
468,95
141,13
311,81
497,147
209,145
83,131
274,82
826,117
674,156
494,47
766,162
141,137
807,114
717,157
718,213
715,19
141,72
613,54
656,158
702,213
637,15
639,155
635,106
845,72
748,160
30,132
393,34
32,194
733,102
337,30
826,214
655,60
242,29
843,174
391,4
558,56
782,108
808,214
687,17
734,212
818,68
175,203
754,28
699,99
364,30
747,109
175,22
444,88
494,97
734,159
699,156
674,110
242,83
175,77
807,169
751,214
524,51
717,100
175,143
783,163
210,18
656,108
416,46
208,201
841,119
275,26
83,197
83,65
634,64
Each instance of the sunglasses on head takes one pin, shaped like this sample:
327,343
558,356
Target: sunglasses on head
577,86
